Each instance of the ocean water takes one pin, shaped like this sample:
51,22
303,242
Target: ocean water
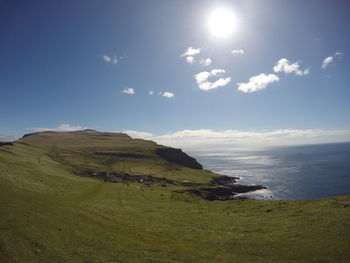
290,173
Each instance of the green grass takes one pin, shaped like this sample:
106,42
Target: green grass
49,215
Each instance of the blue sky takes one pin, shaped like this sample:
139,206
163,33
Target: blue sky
64,65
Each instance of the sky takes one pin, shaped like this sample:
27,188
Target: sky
168,70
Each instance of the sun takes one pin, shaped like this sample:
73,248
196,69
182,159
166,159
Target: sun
222,22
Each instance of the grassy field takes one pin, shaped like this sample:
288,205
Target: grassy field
50,215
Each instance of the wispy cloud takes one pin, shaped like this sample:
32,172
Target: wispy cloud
283,65
207,139
203,82
151,92
191,52
217,72
111,59
129,91
328,60
62,127
257,82
339,54
168,95
237,52
190,60
205,62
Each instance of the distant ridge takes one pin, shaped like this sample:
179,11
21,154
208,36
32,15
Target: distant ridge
110,142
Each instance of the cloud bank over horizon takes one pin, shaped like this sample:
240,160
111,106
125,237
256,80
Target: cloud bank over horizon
7,138
221,140
207,139
64,127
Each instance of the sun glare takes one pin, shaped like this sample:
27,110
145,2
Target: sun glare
222,22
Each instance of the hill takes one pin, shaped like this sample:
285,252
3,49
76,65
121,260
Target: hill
58,204
88,150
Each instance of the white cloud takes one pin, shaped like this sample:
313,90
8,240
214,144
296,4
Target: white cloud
111,59
106,58
190,60
191,52
138,134
338,54
203,83
220,83
151,92
237,52
328,60
168,95
205,62
257,82
283,65
62,127
207,139
202,76
129,91
217,72
207,85
7,138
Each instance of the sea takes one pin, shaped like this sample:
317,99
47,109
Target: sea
289,173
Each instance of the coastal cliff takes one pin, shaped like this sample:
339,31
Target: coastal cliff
177,156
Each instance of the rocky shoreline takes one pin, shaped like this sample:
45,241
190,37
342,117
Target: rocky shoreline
220,188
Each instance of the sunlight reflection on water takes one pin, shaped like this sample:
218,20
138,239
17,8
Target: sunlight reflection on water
303,172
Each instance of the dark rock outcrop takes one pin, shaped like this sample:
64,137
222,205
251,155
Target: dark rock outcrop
228,190
6,144
30,134
177,156
224,180
223,193
127,178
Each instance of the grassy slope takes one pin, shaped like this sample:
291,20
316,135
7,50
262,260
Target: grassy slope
76,149
49,215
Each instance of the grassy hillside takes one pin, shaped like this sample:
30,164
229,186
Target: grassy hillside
91,150
48,214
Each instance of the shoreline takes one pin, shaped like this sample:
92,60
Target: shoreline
221,188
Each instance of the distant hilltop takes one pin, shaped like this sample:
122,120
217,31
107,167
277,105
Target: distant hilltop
109,140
